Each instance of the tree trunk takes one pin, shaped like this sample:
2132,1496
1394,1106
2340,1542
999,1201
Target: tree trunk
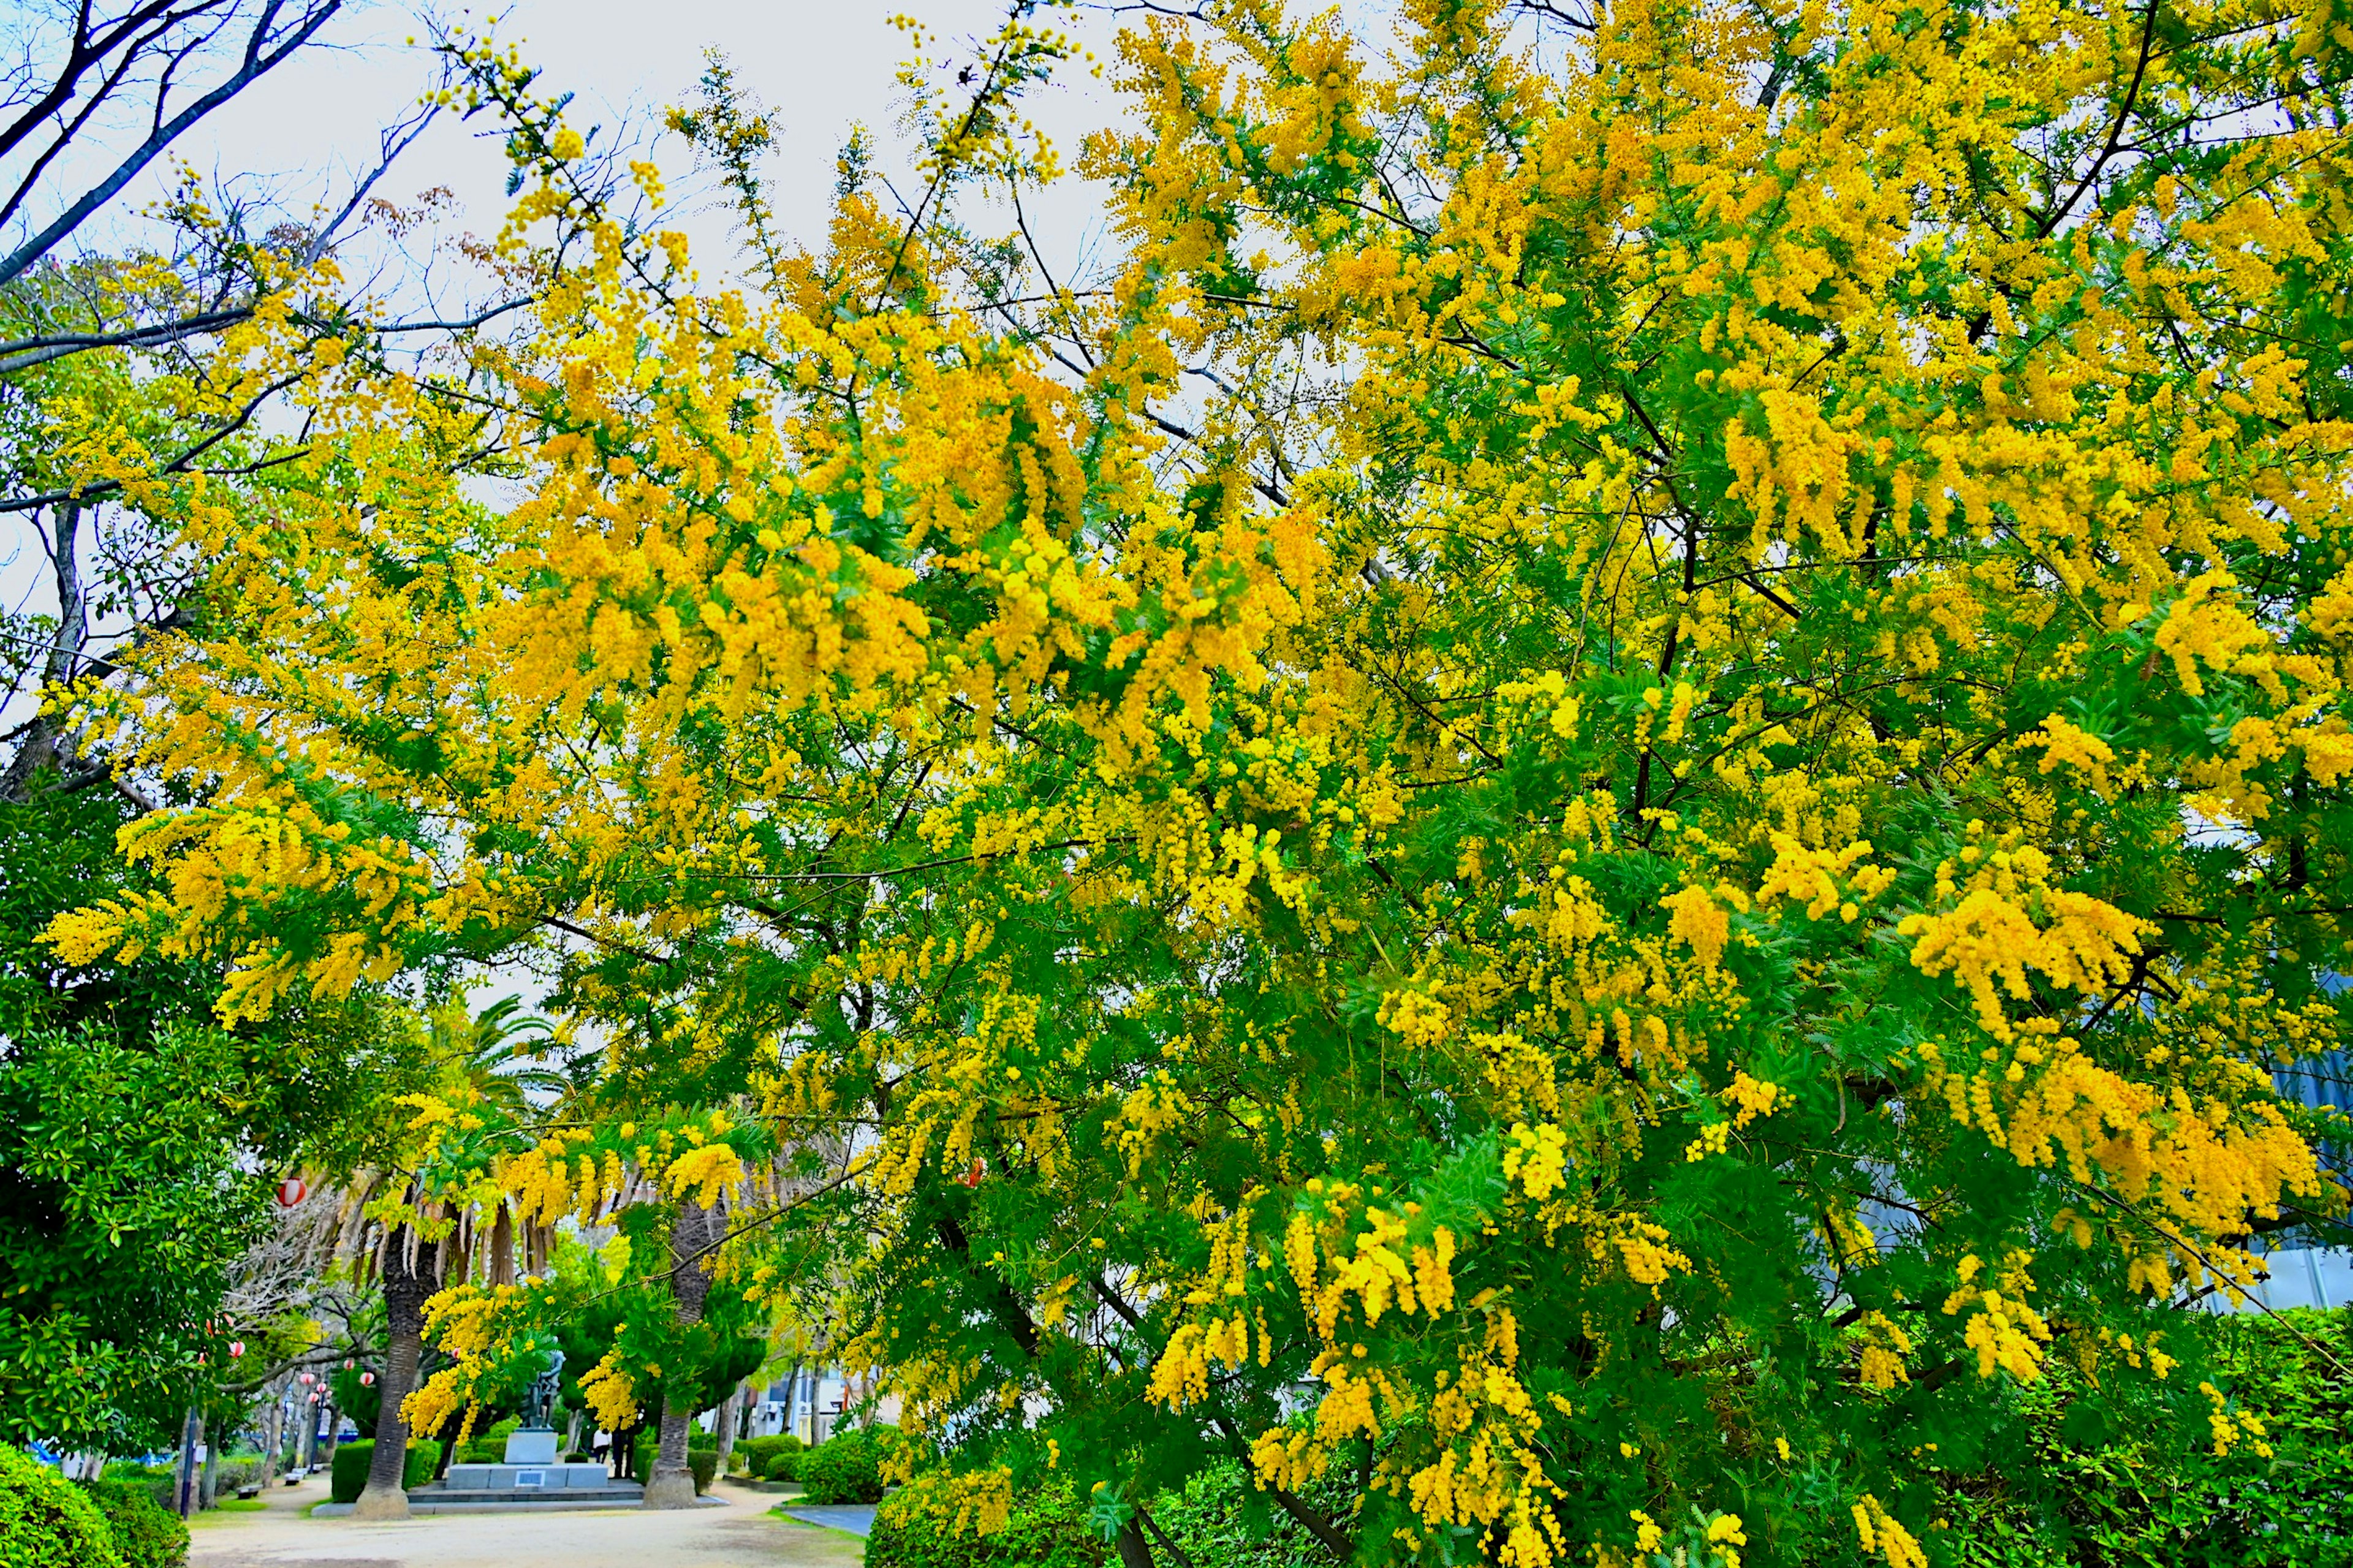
407,1281
325,1450
697,1232
727,1425
45,742
208,1488
273,1435
192,1434
1135,1551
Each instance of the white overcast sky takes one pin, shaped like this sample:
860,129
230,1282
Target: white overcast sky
819,64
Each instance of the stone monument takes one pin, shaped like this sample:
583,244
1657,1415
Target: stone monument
531,1478
534,1443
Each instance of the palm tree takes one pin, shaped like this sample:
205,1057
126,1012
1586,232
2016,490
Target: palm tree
497,1052
494,1053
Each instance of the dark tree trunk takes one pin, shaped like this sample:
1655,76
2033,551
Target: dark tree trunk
408,1280
691,1241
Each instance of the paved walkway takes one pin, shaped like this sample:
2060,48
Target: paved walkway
743,1534
855,1518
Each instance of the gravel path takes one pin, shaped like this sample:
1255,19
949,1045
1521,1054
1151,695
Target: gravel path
742,1535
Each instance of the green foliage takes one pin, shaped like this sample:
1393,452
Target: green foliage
2109,1495
783,1465
490,1447
46,1521
147,1534
349,1474
137,1140
847,1467
361,1402
159,1482
758,1451
235,1475
1219,1516
915,1528
704,1463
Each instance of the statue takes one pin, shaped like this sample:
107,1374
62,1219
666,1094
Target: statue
541,1401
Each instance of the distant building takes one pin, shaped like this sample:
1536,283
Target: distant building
2303,1275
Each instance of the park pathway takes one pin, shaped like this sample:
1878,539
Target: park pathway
743,1534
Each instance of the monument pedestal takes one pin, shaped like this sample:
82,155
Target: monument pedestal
529,1481
532,1445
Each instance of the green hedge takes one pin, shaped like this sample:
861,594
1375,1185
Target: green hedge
349,1477
915,1528
46,1521
160,1482
847,1467
146,1535
785,1464
762,1450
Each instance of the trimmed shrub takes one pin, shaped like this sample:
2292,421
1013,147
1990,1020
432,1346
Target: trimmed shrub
916,1527
704,1463
785,1464
845,1468
146,1535
46,1521
349,1477
758,1452
160,1482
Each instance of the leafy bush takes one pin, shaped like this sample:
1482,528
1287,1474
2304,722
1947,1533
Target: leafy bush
2114,1496
915,1527
349,1477
46,1521
704,1463
763,1449
160,1482
1219,1516
759,1453
845,1468
785,1464
147,1534
233,1474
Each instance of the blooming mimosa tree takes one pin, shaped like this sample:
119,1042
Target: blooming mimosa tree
1589,818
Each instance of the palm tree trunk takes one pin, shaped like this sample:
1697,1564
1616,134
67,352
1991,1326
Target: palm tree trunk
408,1282
697,1231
